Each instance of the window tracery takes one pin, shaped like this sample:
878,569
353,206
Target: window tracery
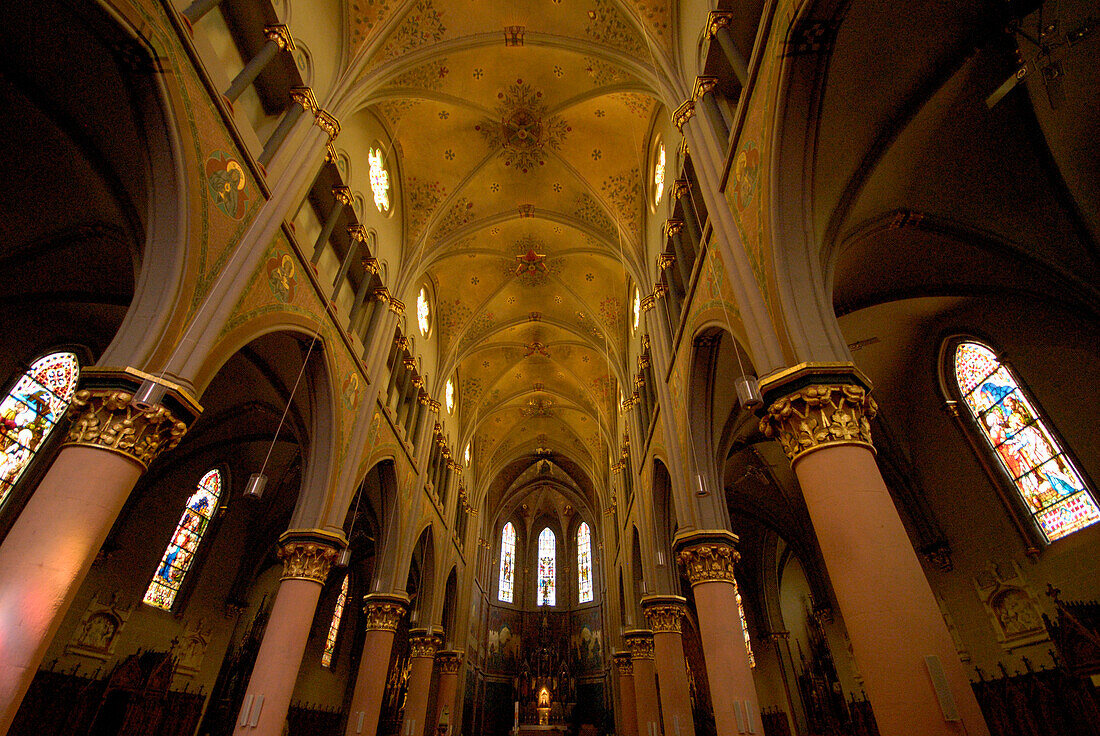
31,410
507,582
547,580
584,564
1046,479
334,625
180,553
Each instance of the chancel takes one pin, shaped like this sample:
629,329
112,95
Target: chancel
549,367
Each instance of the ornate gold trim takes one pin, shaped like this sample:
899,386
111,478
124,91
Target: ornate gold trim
304,96
383,611
815,405
707,555
327,122
664,612
665,260
672,227
717,20
640,642
623,664
308,554
703,85
279,34
680,187
342,194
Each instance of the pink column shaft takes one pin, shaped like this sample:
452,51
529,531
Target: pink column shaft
280,657
891,615
448,686
628,713
728,669
47,554
645,697
370,682
668,655
416,701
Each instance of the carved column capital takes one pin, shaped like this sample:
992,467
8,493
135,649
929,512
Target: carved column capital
304,96
680,187
449,661
623,664
383,611
707,555
702,86
279,35
640,643
308,554
672,227
342,195
684,113
815,405
327,122
717,20
102,415
664,612
424,642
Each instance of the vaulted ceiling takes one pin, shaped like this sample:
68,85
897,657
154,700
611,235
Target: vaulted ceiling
523,132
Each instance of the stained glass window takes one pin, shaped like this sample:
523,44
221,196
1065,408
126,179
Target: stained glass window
466,457
1046,479
379,180
584,563
185,542
423,312
334,626
546,578
637,308
30,411
449,396
744,624
659,175
507,563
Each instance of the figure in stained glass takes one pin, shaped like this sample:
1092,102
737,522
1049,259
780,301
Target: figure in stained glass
31,410
507,563
1044,476
334,625
547,594
584,563
180,552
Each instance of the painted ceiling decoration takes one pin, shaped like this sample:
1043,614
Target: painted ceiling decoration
521,159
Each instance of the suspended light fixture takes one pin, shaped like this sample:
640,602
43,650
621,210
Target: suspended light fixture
148,395
748,392
254,489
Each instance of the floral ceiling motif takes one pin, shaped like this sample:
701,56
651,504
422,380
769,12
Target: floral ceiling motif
524,133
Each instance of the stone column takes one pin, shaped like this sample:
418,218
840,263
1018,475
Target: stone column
278,39
49,550
307,556
708,556
341,198
450,662
423,644
383,612
820,413
301,100
640,642
663,612
627,717
718,27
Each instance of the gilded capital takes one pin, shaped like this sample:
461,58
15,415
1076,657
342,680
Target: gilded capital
624,664
702,86
673,226
304,96
816,405
102,415
342,194
684,113
308,554
680,187
664,612
707,555
717,20
383,611
280,36
326,122
424,642
450,661
640,642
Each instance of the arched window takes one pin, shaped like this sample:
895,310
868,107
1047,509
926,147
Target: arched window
1047,481
547,558
744,624
584,564
449,395
180,553
334,626
379,180
507,563
30,411
423,312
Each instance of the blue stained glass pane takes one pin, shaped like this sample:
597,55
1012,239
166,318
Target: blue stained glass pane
547,593
584,563
507,563
185,541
